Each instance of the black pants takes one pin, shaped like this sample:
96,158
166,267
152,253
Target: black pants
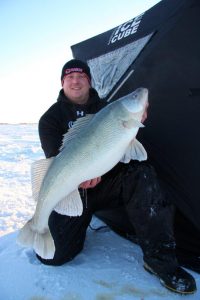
133,187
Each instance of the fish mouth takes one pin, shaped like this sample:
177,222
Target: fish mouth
141,89
137,101
141,94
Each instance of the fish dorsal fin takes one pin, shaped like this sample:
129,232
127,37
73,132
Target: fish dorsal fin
38,170
70,205
78,125
134,151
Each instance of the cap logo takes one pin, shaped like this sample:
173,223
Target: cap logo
68,71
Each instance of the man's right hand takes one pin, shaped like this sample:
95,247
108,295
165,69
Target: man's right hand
90,183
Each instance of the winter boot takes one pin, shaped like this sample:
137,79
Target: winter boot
164,265
178,281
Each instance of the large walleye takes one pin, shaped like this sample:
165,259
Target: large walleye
94,145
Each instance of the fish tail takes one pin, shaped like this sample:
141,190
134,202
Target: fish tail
42,243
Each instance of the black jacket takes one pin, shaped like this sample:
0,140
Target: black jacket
60,117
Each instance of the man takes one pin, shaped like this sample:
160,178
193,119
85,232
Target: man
133,186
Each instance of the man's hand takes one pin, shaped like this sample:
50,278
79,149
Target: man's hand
144,116
90,183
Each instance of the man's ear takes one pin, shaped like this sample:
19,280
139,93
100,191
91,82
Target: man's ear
62,82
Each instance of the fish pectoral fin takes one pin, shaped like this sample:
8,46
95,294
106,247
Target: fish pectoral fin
39,169
71,205
132,123
134,151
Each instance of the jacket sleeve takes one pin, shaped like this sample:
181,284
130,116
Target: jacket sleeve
51,135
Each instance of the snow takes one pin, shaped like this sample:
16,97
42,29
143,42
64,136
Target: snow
108,268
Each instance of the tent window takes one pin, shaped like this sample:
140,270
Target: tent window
107,69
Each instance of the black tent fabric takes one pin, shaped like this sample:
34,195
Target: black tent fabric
160,50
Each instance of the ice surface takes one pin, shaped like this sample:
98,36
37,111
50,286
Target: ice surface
109,267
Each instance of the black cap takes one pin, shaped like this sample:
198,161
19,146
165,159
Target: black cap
76,65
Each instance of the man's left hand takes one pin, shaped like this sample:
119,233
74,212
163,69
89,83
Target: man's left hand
144,116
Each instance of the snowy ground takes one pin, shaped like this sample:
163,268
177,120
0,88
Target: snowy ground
109,267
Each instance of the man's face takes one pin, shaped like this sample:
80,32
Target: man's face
76,87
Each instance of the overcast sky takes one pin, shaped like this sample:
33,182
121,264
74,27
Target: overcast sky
36,36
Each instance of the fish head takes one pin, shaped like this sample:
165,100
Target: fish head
136,102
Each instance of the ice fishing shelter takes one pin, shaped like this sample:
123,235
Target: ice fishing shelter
160,50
